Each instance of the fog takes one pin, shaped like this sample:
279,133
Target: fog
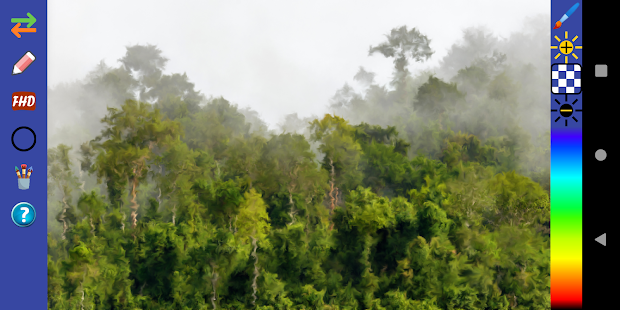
275,57
179,131
284,66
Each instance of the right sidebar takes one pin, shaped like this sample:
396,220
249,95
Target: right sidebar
601,195
568,115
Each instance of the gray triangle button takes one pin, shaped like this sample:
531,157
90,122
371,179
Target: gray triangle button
602,239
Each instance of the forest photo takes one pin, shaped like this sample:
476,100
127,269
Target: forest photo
427,191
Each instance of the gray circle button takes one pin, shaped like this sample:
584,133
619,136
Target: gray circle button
600,155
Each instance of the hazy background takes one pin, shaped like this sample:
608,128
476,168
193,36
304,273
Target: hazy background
465,135
276,57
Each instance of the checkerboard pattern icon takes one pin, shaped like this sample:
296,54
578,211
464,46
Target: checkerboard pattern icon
566,79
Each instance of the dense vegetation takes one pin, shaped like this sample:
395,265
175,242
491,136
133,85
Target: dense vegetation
440,201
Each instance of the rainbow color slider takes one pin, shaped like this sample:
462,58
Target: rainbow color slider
558,24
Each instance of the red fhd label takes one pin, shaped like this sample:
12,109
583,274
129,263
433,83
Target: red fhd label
24,100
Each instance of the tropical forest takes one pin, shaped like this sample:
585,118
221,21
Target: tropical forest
430,192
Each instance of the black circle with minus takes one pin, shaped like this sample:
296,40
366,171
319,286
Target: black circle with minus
566,110
33,143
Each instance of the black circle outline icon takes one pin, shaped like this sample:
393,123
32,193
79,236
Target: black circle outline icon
33,143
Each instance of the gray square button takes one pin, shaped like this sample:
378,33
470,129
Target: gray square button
600,71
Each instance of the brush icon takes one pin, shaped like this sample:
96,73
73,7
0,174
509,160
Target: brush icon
558,24
23,179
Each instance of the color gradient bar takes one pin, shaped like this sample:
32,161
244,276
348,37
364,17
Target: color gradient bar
566,154
566,218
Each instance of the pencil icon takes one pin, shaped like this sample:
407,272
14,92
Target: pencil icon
558,24
23,63
19,176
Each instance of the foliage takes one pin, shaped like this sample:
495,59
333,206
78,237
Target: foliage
200,210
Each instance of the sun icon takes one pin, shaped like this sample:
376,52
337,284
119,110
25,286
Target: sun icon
566,47
566,110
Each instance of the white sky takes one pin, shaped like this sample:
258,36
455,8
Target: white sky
277,57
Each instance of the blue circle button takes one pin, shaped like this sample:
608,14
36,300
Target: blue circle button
23,214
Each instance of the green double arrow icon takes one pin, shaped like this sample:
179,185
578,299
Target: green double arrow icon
30,20
17,30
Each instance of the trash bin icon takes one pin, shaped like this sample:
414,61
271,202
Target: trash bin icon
23,183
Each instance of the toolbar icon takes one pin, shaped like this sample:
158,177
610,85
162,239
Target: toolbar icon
572,10
16,30
23,176
34,139
566,47
566,111
23,214
23,63
566,79
24,100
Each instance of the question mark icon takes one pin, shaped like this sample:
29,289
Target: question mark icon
26,211
23,214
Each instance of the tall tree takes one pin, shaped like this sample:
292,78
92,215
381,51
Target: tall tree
64,181
242,157
436,97
342,154
126,148
288,170
402,45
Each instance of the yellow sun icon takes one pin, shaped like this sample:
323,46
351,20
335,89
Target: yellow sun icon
566,47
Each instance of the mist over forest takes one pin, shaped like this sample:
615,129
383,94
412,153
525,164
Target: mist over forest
429,192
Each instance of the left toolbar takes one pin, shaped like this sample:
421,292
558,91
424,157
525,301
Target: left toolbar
23,124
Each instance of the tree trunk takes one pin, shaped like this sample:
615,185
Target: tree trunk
256,273
64,224
161,170
174,214
249,178
82,288
214,284
134,207
142,288
293,211
308,201
83,182
159,199
331,193
92,227
65,206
